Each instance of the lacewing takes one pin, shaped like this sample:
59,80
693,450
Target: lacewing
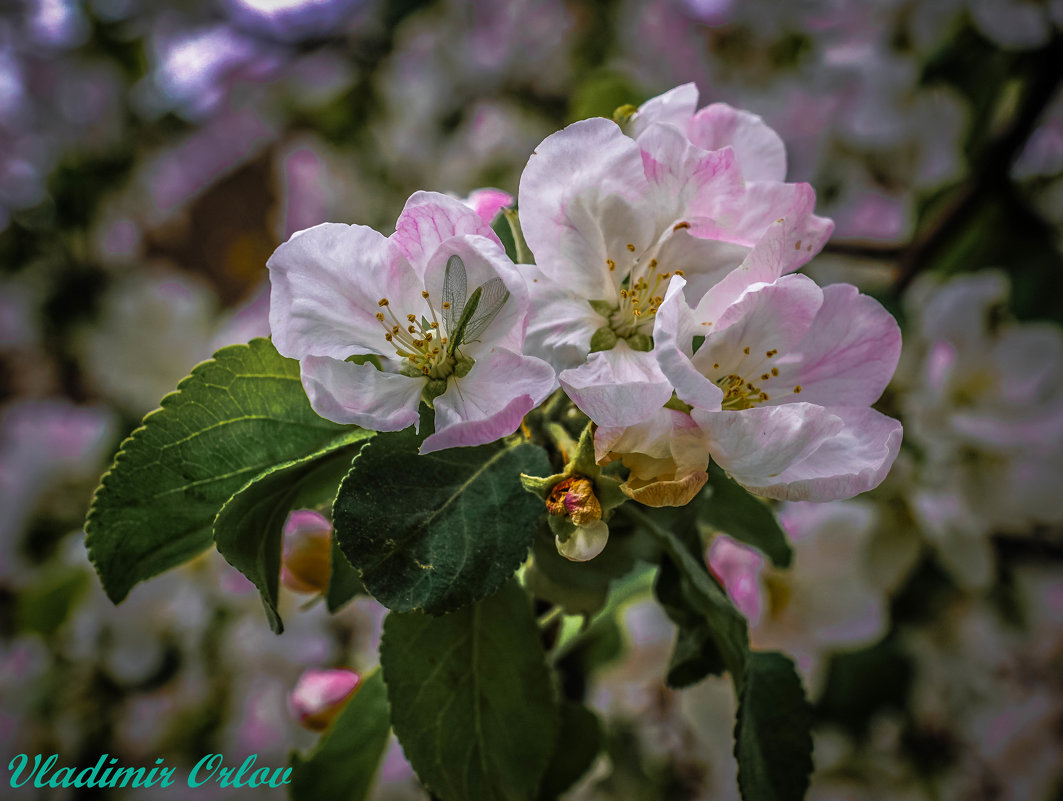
465,318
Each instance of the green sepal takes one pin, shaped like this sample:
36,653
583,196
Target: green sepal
606,488
463,365
433,388
603,339
523,254
603,307
640,342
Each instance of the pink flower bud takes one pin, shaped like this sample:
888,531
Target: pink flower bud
319,695
305,562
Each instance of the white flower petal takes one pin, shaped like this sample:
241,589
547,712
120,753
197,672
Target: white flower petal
345,392
617,387
325,286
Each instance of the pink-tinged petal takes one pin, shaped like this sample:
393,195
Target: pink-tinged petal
739,569
491,401
488,202
483,260
319,695
582,200
560,324
428,220
767,319
704,261
325,284
685,179
757,445
761,153
345,392
745,215
852,460
848,355
617,387
782,249
675,107
673,334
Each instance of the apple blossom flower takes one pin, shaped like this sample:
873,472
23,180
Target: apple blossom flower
612,218
983,397
781,379
437,305
319,696
825,602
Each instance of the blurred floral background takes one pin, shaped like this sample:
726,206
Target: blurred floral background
152,156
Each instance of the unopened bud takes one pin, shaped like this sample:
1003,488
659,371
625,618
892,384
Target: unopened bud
307,552
585,543
574,497
319,695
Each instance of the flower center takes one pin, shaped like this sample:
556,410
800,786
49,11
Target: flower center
641,294
418,342
738,393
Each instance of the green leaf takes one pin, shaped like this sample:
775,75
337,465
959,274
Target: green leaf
250,526
695,654
472,700
437,531
773,738
728,507
702,594
344,583
577,748
234,417
343,764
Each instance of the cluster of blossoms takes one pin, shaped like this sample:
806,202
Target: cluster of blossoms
662,300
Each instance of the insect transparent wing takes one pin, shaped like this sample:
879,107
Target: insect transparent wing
492,299
455,286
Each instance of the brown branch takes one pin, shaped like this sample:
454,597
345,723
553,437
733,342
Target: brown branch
994,165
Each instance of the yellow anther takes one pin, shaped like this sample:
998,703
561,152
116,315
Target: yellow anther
611,263
380,316
715,365
771,352
411,318
774,370
797,388
382,302
653,264
745,351
424,294
680,273
630,247
765,376
680,225
411,329
446,304
797,245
